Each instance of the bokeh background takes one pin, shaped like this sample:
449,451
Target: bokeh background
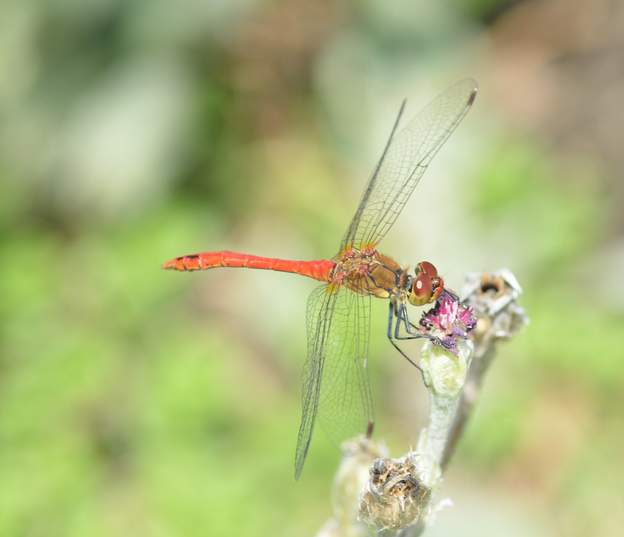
135,401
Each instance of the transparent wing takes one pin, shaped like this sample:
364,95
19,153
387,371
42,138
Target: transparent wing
335,376
404,161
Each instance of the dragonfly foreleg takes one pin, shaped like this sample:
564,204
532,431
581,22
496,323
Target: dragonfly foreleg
394,335
410,328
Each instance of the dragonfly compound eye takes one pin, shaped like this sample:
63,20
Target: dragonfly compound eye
427,268
421,290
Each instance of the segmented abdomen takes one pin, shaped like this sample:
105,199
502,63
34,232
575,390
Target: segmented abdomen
318,269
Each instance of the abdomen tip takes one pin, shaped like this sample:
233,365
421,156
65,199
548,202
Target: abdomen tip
170,265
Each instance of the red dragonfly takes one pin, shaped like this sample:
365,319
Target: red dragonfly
335,382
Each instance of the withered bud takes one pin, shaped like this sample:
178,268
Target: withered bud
395,496
493,298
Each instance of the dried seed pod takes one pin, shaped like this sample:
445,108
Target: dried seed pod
395,496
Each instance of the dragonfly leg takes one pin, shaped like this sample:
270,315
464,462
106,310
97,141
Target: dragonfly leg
393,333
410,328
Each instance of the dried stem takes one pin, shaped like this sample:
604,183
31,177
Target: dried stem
469,397
493,298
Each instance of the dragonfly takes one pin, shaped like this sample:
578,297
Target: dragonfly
336,387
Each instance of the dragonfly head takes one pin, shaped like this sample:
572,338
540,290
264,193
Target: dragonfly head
426,285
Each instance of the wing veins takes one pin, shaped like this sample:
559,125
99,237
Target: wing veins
386,193
350,235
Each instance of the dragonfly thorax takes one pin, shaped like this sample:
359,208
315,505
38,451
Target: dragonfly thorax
367,272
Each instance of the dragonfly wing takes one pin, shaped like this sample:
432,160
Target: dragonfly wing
406,156
335,378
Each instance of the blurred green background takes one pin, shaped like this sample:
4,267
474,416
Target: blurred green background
135,401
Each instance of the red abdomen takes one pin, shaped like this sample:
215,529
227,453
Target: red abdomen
319,269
